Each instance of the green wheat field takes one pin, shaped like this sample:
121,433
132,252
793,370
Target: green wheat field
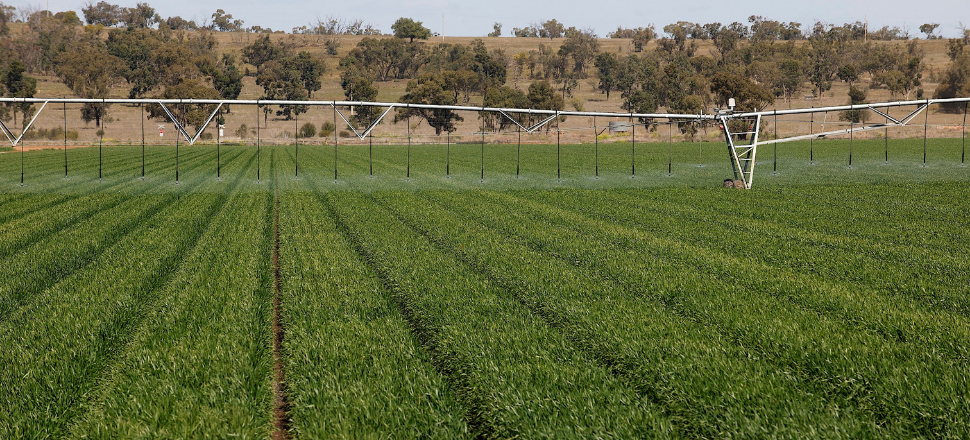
418,299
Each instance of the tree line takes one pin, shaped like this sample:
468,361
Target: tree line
757,64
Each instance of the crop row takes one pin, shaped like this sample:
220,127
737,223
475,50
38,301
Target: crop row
36,265
200,363
923,267
514,375
353,367
894,382
934,334
677,363
888,355
876,308
62,343
50,191
44,170
925,239
44,219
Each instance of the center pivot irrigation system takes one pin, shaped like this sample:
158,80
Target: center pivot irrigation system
741,129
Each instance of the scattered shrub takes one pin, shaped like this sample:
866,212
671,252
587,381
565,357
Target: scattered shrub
53,134
577,104
332,46
326,129
308,130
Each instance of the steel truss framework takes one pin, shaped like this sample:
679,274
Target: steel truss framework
742,145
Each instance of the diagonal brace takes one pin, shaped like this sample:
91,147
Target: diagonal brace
913,114
206,124
9,134
533,128
6,132
362,135
175,121
886,115
181,129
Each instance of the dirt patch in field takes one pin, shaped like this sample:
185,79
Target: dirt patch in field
44,147
281,405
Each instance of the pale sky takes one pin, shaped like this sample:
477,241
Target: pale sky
462,18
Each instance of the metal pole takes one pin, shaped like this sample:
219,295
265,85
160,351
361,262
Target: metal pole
218,147
926,121
409,149
886,139
142,108
370,153
775,145
177,136
963,151
670,148
811,145
851,138
483,151
257,141
633,148
700,145
100,141
596,151
448,157
296,135
22,160
518,152
558,166
65,139
335,142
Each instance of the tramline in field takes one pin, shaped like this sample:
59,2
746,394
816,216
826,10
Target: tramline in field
742,130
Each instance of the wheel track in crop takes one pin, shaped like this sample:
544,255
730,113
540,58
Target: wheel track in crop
806,375
281,401
17,298
377,287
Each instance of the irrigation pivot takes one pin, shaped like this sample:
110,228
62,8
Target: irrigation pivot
741,129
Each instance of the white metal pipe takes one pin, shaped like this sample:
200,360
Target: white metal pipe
350,103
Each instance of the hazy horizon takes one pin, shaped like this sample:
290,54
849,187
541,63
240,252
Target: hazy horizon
475,19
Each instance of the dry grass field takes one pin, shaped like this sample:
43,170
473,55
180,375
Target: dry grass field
124,125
